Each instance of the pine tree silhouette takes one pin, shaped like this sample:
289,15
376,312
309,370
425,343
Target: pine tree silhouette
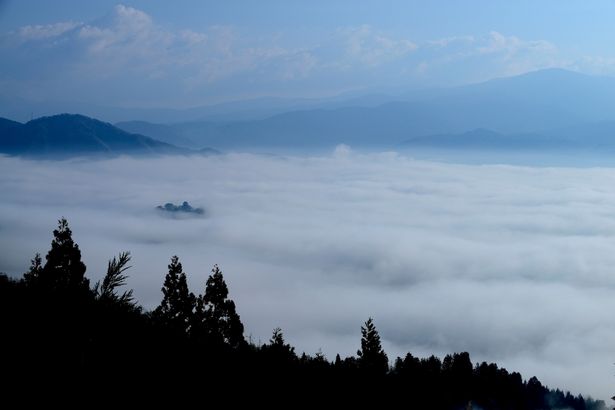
63,270
372,359
216,318
177,306
34,273
278,346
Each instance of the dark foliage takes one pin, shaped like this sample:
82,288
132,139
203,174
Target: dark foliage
372,359
177,307
215,319
184,208
61,336
115,278
63,272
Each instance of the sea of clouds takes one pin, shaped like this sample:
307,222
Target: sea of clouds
513,264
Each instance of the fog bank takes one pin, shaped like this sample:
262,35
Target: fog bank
512,264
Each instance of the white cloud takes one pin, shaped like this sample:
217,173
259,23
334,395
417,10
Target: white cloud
126,27
520,56
478,58
449,41
594,64
510,45
513,264
125,40
128,50
193,38
372,48
40,32
342,151
129,59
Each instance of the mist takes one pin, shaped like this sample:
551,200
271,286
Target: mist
513,264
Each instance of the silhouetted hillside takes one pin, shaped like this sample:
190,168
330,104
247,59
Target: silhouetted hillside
68,135
62,334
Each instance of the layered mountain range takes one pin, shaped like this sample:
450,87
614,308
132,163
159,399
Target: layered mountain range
542,110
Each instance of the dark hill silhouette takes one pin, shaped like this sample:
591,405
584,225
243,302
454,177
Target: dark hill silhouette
61,336
68,135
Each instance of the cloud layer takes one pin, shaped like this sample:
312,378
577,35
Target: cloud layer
513,264
127,58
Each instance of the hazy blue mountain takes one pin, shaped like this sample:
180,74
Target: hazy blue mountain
547,99
478,138
552,92
68,135
583,96
598,134
250,109
382,126
374,126
187,134
590,136
161,132
516,106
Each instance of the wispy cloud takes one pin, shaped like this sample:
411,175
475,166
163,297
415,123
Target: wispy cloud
519,56
476,57
367,46
128,58
130,49
39,32
511,45
448,41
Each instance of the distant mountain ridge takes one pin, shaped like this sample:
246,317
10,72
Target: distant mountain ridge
565,90
67,135
543,109
521,105
161,132
481,138
593,136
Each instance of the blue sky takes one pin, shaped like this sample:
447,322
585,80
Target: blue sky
185,53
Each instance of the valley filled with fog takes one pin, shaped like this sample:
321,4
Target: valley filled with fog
513,264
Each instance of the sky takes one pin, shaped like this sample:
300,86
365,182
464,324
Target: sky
512,264
190,53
